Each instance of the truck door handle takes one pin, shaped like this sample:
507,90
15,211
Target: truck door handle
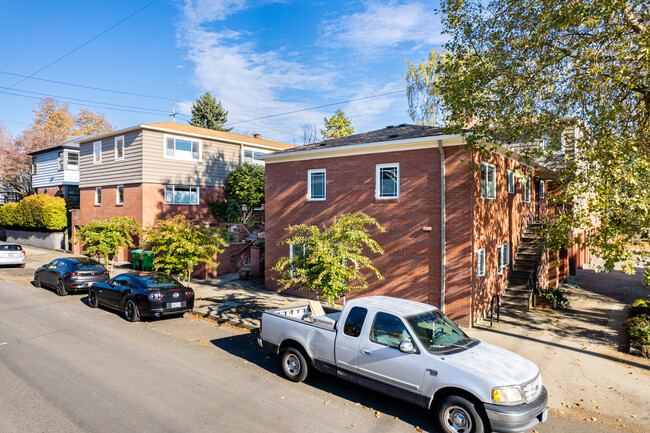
366,352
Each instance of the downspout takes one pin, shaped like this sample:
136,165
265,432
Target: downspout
443,227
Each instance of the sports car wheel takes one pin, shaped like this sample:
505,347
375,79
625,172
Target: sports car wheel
60,288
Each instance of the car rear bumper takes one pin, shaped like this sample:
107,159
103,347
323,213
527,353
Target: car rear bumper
507,419
12,260
162,310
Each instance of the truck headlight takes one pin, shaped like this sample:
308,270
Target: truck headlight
507,394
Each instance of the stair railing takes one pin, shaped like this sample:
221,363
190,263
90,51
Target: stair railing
492,308
533,278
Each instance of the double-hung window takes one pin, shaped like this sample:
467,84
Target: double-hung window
34,165
120,195
488,180
59,161
504,257
250,157
387,181
542,191
72,161
119,148
480,262
98,195
511,181
97,152
316,185
526,191
180,194
182,148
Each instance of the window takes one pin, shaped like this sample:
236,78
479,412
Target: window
59,161
98,195
180,148
542,186
178,194
97,152
488,181
504,257
120,194
387,181
250,157
72,193
119,148
388,330
480,262
72,161
354,321
526,191
511,181
315,184
298,251
34,165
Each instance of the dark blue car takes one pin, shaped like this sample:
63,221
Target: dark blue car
144,294
70,274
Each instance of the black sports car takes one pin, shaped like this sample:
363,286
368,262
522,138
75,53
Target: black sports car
151,294
71,274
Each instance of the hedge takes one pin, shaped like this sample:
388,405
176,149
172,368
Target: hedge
35,212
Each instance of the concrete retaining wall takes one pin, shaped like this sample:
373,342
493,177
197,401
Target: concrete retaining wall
48,240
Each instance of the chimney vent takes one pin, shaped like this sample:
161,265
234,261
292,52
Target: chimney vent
256,135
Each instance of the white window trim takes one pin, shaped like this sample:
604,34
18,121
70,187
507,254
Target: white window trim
542,189
117,194
98,190
504,257
119,158
378,168
68,166
510,181
252,149
97,145
198,195
34,165
494,170
179,137
480,260
316,171
525,191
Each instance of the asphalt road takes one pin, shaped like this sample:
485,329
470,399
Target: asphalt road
65,367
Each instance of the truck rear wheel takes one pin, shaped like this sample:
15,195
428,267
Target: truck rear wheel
294,365
456,414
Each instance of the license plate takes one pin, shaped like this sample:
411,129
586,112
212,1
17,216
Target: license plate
543,416
174,305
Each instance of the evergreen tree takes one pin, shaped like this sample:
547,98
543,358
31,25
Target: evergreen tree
337,126
207,112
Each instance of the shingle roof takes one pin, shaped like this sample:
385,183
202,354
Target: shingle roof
390,133
72,144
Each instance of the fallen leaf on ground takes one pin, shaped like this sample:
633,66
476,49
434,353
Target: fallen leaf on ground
378,414
327,402
203,345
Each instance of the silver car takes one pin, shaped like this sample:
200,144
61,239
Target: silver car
12,254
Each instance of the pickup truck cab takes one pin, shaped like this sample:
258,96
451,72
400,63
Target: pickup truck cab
411,351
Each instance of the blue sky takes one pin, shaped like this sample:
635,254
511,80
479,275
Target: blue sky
259,58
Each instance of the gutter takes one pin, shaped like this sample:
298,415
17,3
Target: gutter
443,227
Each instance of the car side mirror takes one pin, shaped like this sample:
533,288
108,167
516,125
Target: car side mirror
406,347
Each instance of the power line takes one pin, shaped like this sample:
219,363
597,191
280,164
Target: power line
87,87
79,47
319,106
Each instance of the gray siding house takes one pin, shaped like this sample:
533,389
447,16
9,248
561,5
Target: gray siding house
55,171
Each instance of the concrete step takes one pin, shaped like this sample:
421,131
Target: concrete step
505,306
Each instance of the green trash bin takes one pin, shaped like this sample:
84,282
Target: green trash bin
147,260
137,262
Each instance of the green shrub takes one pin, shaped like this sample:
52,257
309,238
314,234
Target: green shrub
638,327
228,210
639,307
35,212
558,295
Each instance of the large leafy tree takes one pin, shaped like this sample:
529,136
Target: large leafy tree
207,112
337,126
104,238
181,244
245,185
330,261
89,123
523,70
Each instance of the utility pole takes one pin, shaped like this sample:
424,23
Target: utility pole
174,110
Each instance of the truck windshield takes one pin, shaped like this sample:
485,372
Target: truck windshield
437,332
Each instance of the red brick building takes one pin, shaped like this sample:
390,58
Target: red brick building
453,217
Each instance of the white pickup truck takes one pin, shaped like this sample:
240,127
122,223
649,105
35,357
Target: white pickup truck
411,351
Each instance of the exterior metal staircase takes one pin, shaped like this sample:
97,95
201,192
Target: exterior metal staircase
523,275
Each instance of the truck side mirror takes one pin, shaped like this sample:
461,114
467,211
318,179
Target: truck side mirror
406,347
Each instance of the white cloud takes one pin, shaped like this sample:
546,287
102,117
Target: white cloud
384,25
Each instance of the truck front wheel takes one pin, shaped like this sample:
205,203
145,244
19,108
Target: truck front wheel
456,414
294,365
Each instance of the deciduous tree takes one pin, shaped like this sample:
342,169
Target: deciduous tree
52,115
104,238
337,126
330,261
245,184
89,123
522,70
207,112
181,244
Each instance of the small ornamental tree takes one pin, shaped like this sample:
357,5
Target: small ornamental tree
181,244
329,261
105,237
245,184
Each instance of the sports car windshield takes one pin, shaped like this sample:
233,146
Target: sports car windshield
157,281
437,332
